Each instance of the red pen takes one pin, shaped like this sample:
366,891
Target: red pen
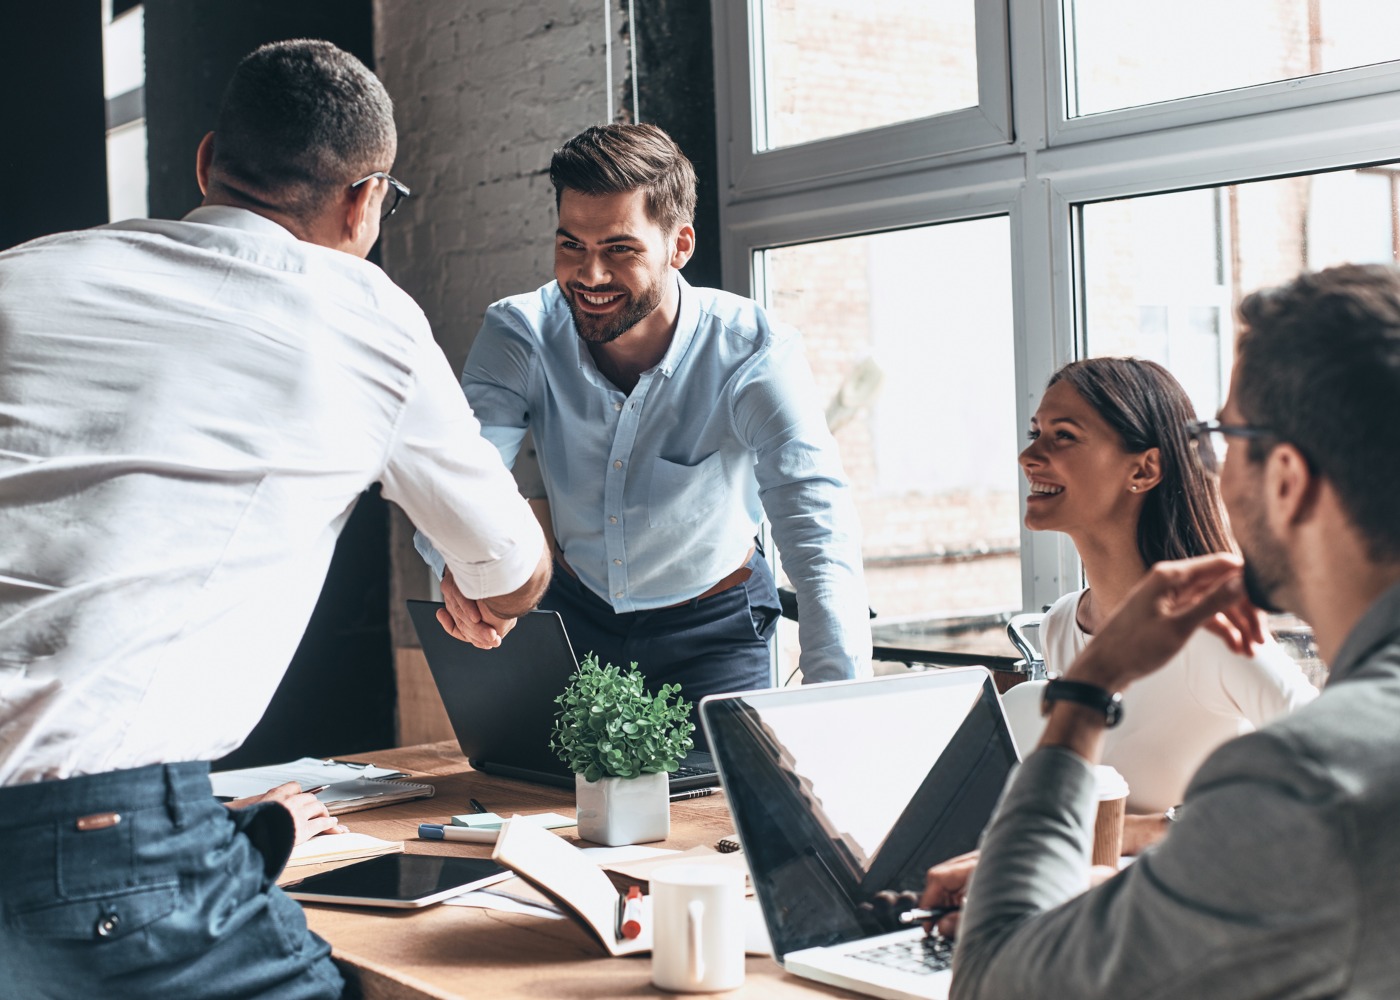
632,913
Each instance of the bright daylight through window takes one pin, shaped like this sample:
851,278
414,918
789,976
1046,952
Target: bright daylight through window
953,200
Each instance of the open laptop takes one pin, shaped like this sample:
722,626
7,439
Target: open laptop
841,790
501,701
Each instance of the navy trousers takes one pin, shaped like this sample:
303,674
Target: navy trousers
708,645
139,883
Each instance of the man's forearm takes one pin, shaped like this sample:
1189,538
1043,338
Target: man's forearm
525,598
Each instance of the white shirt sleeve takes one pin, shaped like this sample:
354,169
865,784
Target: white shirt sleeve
456,490
1260,688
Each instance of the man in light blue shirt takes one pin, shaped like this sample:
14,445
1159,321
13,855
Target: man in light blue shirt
668,421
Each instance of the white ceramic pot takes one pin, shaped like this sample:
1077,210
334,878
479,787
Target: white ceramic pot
618,811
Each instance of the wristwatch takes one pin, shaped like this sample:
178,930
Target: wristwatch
1088,695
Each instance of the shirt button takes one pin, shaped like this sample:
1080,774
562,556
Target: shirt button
617,562
618,594
612,520
617,464
617,406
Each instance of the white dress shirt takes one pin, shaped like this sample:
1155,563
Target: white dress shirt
188,412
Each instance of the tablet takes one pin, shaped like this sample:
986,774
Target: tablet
399,880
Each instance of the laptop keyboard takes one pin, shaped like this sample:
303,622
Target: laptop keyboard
920,956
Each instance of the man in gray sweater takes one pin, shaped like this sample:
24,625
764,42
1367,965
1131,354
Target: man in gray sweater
1279,878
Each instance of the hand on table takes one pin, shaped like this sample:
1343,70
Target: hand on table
470,620
309,814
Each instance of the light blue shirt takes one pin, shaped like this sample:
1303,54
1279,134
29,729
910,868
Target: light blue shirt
657,494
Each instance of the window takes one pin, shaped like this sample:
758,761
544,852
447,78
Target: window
941,525
124,84
1121,55
1147,169
1161,273
831,67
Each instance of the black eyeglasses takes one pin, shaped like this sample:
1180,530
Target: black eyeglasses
397,192
1208,440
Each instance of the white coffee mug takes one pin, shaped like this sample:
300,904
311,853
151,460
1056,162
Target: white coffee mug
697,914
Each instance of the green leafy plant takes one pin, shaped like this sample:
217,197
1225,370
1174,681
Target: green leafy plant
610,726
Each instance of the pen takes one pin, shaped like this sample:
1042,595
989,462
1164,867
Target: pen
315,789
477,806
632,913
694,793
919,916
436,831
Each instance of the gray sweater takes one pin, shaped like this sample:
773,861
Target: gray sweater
1281,880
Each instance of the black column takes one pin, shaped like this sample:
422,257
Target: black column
676,90
191,51
338,694
53,149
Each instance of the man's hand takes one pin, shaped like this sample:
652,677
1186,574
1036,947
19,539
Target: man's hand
946,885
468,620
309,813
1160,614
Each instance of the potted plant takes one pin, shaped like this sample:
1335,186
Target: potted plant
621,742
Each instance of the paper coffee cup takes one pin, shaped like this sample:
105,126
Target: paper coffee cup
1108,823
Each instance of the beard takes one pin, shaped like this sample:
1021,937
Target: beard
1260,593
606,329
1266,569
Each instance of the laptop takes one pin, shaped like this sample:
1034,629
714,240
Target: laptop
841,790
501,701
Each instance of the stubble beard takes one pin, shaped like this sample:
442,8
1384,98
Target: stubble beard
606,329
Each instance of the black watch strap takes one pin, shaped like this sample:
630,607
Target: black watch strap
1110,703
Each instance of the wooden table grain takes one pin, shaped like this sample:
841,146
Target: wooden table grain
444,952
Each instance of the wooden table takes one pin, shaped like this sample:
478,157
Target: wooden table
453,951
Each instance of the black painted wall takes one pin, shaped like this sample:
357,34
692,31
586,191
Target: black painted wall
338,694
676,90
53,152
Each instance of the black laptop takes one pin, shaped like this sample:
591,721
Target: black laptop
841,790
501,701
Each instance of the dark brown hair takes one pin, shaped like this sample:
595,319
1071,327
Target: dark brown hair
616,159
299,119
1319,365
1148,408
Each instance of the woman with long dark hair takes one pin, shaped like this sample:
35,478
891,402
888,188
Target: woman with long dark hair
1109,464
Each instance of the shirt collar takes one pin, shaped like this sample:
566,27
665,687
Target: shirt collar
1378,625
230,217
687,322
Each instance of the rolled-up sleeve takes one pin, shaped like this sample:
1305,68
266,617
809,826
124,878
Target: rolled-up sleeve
807,498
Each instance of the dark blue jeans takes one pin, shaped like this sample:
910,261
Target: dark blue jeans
176,898
708,645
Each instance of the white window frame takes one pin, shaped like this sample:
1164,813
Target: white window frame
942,169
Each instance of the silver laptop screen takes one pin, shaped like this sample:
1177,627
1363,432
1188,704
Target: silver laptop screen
839,791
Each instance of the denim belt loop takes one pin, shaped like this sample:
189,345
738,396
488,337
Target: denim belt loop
173,805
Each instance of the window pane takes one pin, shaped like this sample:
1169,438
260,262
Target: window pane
832,67
1121,55
1163,273
910,338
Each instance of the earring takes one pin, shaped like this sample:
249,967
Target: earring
1133,488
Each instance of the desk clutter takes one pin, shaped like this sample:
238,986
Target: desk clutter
348,786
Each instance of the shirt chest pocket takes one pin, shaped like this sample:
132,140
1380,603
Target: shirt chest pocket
681,494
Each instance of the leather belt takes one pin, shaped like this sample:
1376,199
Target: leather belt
724,583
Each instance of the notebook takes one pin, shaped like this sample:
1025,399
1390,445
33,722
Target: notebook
501,701
841,790
346,787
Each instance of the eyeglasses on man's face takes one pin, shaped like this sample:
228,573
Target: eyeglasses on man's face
397,192
1209,444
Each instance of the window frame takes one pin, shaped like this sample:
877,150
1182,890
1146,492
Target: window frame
1044,168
